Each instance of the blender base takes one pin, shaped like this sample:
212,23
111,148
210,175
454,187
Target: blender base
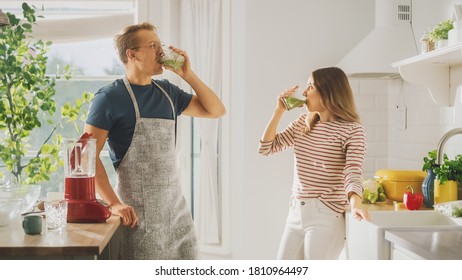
87,211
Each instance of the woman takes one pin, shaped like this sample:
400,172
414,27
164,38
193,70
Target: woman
329,145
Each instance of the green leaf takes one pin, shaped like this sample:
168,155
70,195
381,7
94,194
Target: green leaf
27,25
441,30
46,149
30,98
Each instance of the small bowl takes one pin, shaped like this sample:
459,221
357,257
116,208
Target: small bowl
9,210
31,197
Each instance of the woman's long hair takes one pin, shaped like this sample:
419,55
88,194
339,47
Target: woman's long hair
336,95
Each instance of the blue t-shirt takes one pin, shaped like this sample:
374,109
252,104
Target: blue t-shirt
112,109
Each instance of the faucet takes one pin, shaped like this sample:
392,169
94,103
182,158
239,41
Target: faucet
449,134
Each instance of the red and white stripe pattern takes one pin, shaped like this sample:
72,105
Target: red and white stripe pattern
328,159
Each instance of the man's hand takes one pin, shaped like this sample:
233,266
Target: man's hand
127,214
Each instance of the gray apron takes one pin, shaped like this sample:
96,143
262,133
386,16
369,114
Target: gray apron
147,180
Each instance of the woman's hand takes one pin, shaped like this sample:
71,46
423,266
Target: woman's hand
360,214
356,210
127,214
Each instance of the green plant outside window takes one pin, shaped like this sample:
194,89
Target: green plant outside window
27,95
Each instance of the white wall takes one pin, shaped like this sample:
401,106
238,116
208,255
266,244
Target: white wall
426,125
389,146
284,41
371,98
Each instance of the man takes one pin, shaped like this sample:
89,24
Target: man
137,116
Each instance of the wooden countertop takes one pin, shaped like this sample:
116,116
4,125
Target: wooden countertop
439,244
78,239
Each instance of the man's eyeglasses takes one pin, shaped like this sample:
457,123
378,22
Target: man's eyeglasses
152,45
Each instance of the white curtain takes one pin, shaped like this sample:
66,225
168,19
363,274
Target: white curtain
201,29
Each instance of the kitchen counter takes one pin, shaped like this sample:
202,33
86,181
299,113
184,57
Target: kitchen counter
77,241
388,205
365,240
439,244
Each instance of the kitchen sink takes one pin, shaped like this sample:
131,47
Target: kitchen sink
366,239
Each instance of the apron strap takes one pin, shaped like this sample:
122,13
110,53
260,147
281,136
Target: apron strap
135,104
132,96
169,99
171,103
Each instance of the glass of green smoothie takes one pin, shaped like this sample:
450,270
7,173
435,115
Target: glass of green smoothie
172,59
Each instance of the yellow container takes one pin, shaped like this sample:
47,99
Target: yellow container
395,182
445,192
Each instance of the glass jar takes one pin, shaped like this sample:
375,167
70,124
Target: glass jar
172,59
426,44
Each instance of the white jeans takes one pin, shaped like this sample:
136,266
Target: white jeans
313,231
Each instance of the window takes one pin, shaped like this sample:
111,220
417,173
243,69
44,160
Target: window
70,26
82,32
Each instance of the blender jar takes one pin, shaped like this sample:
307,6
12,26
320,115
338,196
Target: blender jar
80,159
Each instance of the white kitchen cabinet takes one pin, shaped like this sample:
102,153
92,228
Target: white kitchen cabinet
367,240
440,71
401,253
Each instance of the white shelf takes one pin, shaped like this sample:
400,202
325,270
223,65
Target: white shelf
440,71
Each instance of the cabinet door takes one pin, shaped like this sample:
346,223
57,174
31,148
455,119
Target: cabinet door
400,253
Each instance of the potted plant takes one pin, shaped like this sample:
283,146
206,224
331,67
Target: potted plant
448,175
439,34
26,97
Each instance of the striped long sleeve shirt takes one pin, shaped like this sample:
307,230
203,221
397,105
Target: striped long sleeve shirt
328,160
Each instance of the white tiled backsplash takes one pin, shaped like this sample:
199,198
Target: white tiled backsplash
389,145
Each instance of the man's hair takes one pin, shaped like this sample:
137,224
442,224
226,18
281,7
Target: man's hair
128,39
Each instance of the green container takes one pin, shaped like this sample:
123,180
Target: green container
172,59
293,102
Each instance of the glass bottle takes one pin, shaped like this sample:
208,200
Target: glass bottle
426,44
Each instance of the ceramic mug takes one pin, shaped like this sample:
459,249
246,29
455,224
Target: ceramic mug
32,224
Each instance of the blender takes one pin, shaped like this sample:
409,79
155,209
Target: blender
79,182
